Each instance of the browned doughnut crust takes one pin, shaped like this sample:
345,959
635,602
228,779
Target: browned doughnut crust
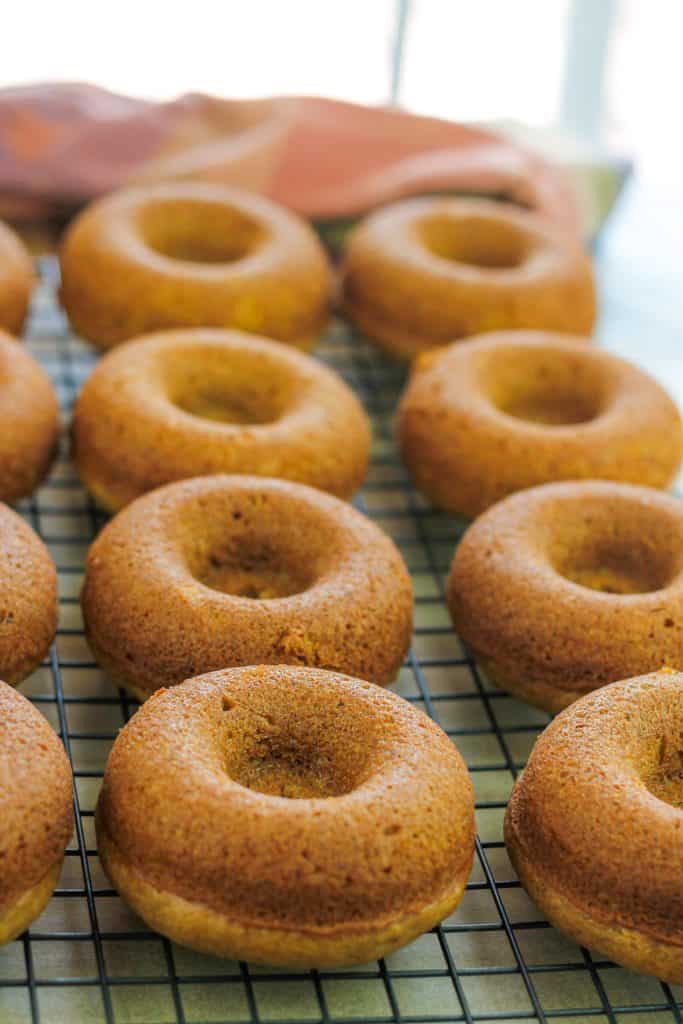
29,418
305,819
196,255
28,598
193,402
594,826
36,811
16,280
426,271
504,411
563,588
228,570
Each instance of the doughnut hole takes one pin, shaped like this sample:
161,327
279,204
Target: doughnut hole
222,406
554,388
243,548
240,388
621,562
475,240
259,572
198,231
288,753
665,779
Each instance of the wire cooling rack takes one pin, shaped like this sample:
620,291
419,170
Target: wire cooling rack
89,959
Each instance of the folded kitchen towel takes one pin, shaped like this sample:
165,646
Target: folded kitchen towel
64,144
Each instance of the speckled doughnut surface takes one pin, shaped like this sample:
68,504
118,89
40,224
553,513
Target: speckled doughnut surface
28,598
233,570
191,402
563,588
426,271
305,819
35,811
594,826
191,254
504,411
16,280
29,419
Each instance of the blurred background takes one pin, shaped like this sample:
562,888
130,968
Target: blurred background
607,70
595,77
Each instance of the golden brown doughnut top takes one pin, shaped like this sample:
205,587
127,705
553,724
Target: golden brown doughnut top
12,249
289,796
28,597
16,280
599,808
425,271
511,409
186,403
194,254
573,584
14,256
36,817
538,383
29,418
234,570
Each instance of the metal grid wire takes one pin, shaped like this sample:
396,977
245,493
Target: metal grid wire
87,958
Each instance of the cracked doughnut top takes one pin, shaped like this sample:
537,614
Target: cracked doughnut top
233,570
286,815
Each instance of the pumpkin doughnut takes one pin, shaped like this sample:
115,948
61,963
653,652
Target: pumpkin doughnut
563,588
424,272
235,570
192,402
306,819
16,280
504,411
28,598
196,255
594,827
29,414
36,812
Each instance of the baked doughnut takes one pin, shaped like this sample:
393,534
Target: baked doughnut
196,255
236,570
594,827
28,598
36,811
193,402
423,272
504,411
16,280
566,587
29,414
306,819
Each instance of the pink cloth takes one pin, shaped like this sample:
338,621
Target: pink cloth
64,144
